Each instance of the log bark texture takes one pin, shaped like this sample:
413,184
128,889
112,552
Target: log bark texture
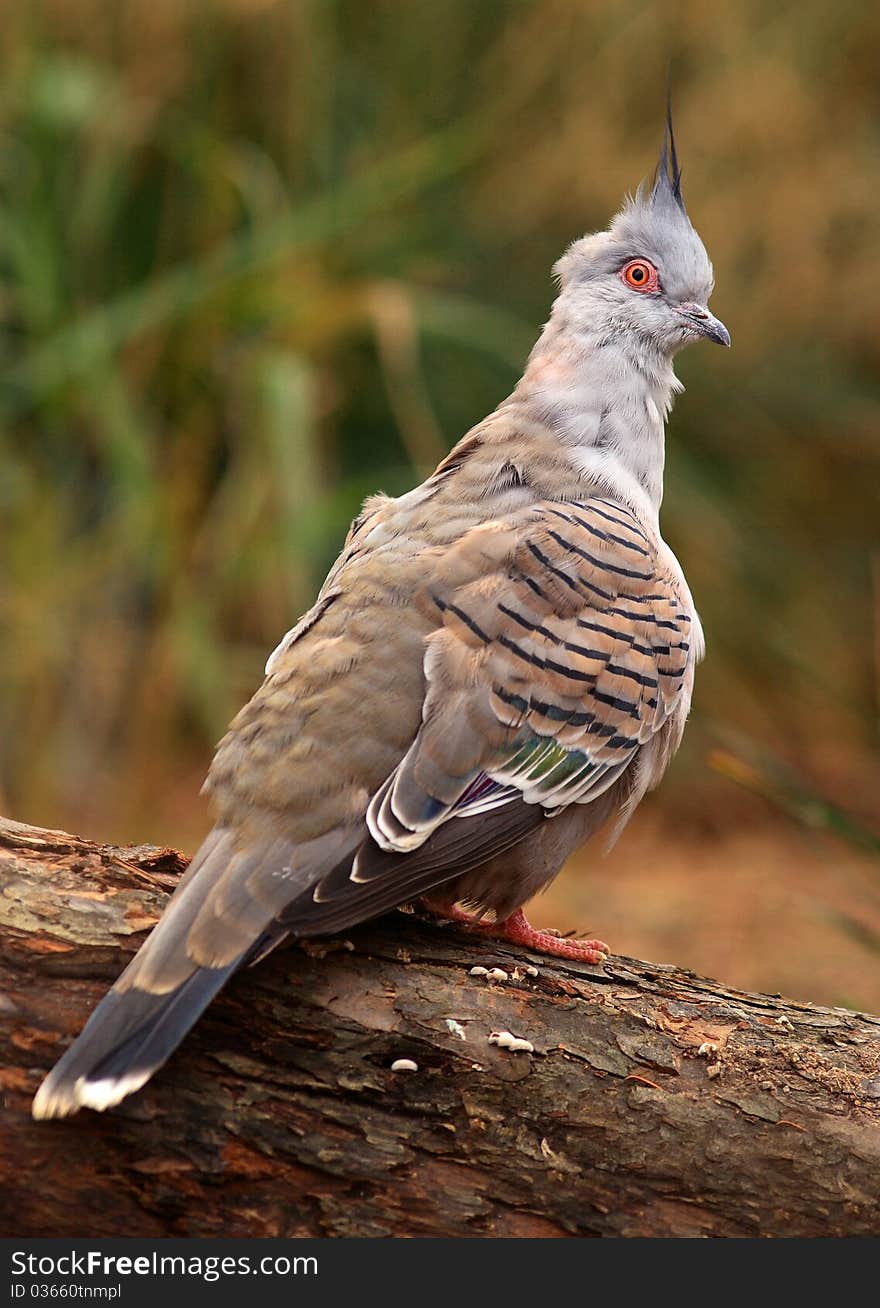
656,1102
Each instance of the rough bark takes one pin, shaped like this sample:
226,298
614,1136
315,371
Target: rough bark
655,1102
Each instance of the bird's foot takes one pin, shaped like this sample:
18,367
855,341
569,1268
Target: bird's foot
517,930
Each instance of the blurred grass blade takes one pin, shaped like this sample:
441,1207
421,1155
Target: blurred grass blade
75,349
766,776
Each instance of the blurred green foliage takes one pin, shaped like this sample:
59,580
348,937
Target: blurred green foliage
260,258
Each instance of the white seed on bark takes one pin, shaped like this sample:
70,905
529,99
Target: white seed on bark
501,1038
507,1040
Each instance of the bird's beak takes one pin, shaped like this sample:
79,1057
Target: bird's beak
706,323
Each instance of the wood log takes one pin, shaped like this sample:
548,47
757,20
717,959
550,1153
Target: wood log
655,1103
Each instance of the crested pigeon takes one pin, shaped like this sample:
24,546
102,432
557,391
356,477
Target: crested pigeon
499,662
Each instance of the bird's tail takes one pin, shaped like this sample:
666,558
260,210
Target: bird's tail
162,992
127,1038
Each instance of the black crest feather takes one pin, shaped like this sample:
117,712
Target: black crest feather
667,178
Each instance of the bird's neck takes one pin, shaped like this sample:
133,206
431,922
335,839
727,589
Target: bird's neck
606,400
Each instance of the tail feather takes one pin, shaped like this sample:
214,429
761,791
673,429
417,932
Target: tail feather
219,917
128,1036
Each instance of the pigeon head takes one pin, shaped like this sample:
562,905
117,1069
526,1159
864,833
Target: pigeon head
648,276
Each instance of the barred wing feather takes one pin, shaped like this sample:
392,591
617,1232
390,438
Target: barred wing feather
546,676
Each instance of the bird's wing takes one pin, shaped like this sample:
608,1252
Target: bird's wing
545,677
563,647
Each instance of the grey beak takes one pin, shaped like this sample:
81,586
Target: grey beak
706,323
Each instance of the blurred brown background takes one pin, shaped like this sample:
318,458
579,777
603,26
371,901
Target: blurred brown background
260,257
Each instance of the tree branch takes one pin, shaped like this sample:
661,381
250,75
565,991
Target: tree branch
655,1102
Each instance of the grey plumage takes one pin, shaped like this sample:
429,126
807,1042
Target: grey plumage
500,661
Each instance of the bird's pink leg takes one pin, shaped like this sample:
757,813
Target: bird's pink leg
517,930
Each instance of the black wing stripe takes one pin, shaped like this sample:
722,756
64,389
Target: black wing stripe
628,522
528,625
599,534
465,618
615,702
639,677
599,564
557,572
644,617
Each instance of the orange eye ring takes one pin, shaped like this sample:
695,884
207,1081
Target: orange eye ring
640,275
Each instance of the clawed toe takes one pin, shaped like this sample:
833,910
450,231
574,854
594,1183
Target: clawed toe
517,930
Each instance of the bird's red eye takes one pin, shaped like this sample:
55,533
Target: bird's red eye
640,275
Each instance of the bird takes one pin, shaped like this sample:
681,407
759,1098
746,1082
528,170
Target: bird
499,663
